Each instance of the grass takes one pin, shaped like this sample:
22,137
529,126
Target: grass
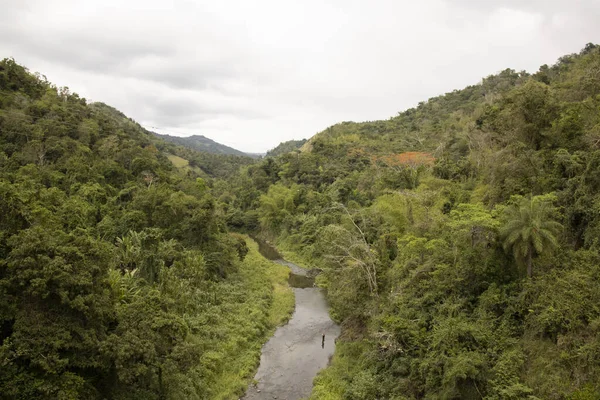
183,165
178,161
290,254
267,302
332,382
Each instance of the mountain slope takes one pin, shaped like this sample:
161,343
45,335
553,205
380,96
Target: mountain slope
458,240
117,277
201,143
286,147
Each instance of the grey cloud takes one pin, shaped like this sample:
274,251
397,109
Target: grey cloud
157,63
175,113
540,6
253,74
191,76
180,111
582,13
109,47
86,52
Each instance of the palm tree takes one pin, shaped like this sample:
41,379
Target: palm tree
530,230
129,250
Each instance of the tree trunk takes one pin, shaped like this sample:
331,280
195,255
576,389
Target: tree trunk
161,389
530,262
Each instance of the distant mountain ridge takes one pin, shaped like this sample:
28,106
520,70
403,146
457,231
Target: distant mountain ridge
202,143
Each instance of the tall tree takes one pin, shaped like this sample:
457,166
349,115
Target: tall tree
530,230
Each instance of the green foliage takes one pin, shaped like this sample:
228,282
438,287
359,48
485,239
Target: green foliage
276,206
422,262
529,230
117,276
286,147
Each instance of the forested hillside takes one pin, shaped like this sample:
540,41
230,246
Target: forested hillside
286,147
459,240
201,143
459,244
201,164
118,278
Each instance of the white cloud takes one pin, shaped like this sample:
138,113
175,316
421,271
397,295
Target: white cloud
252,74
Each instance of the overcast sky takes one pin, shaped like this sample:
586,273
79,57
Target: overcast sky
251,74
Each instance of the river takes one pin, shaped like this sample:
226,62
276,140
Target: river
291,359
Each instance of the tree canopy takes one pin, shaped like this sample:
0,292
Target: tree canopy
425,224
118,278
121,277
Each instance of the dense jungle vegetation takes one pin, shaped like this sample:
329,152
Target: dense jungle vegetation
459,243
118,278
459,240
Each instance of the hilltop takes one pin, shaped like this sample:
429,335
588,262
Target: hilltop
286,147
202,144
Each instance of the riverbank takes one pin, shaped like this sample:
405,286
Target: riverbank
348,361
299,350
268,303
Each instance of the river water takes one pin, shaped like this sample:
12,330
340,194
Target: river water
291,359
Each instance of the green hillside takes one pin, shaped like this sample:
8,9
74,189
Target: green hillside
286,147
201,164
458,243
458,239
201,143
118,279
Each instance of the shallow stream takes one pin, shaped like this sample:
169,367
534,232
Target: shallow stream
291,359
